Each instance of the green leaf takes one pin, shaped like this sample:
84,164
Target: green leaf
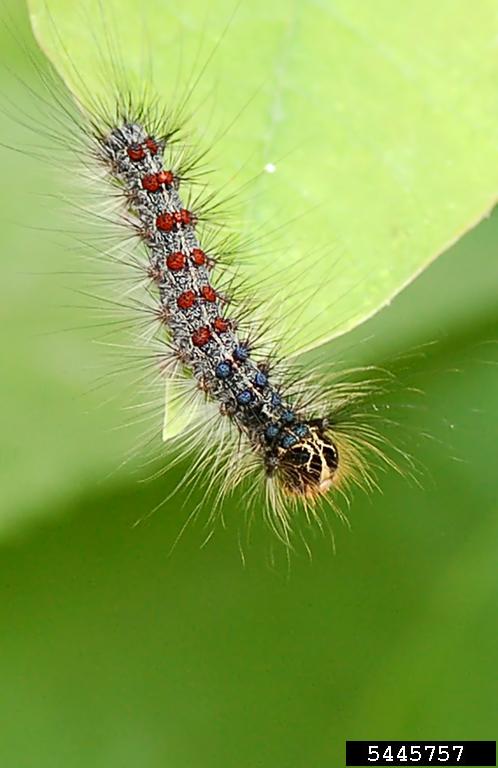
379,119
376,120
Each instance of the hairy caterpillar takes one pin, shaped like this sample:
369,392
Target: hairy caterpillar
307,439
299,451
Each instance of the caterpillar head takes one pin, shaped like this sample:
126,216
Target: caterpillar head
308,466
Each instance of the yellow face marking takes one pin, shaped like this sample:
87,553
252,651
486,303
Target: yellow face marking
311,476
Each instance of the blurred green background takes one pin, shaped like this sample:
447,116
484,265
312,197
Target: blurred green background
116,654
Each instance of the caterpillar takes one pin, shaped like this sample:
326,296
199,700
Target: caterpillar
298,450
297,438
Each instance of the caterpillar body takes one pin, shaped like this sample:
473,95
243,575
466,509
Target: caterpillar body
290,445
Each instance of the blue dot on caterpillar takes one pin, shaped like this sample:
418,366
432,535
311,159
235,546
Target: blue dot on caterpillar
295,449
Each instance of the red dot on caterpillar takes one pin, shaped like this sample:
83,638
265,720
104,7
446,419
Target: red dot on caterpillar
208,293
151,145
165,177
201,336
198,257
165,222
221,325
186,300
187,217
135,152
151,182
183,217
175,261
